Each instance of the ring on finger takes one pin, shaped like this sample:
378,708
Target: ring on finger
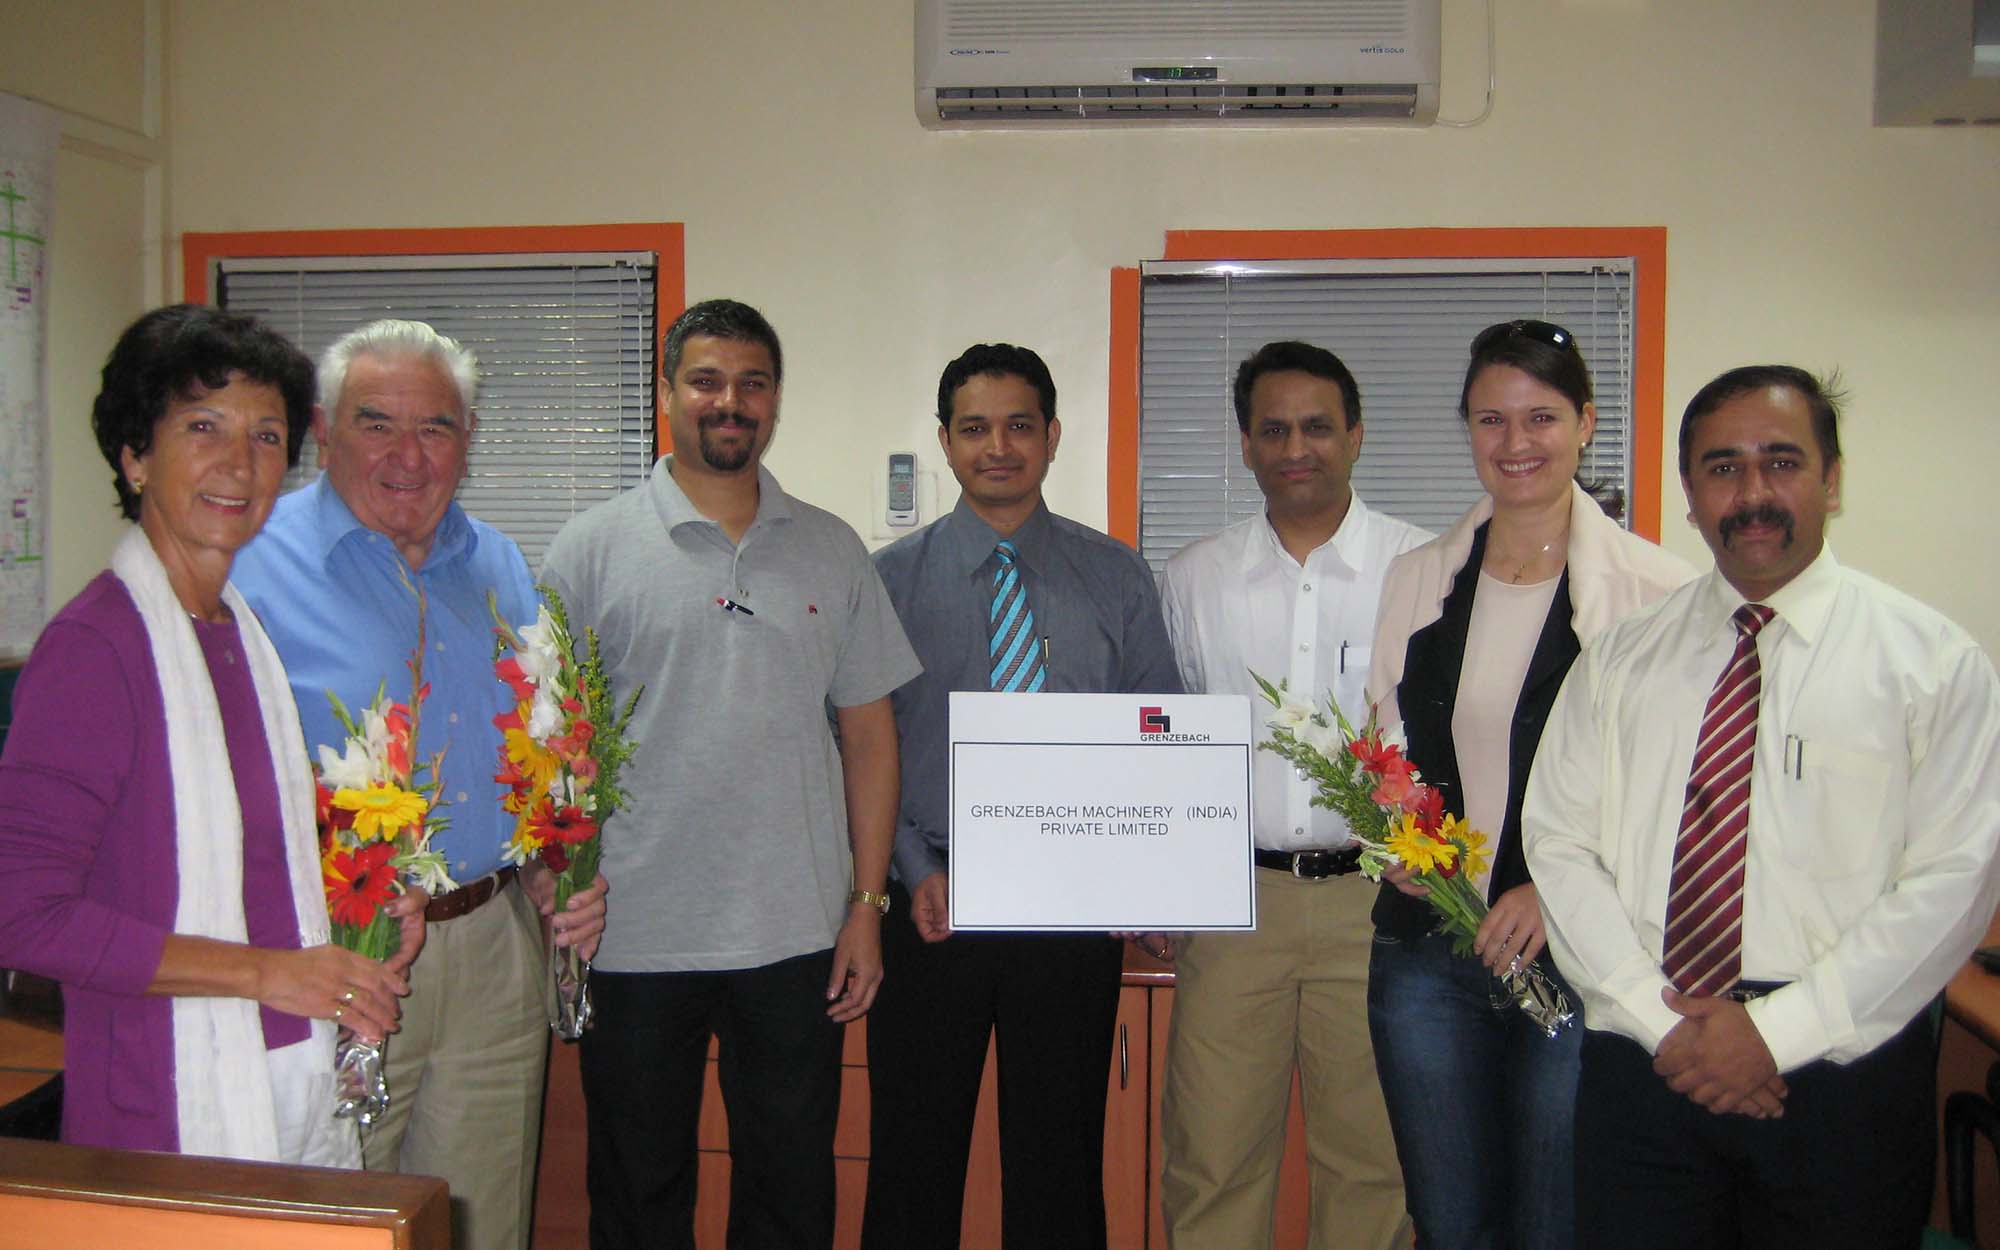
347,997
338,1012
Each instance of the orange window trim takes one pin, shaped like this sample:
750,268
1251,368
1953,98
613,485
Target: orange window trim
1646,245
665,240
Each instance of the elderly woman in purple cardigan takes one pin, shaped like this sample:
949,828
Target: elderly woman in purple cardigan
157,847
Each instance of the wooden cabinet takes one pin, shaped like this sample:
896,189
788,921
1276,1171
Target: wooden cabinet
1131,1144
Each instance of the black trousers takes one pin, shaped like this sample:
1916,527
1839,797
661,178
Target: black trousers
1052,999
778,1060
1849,1164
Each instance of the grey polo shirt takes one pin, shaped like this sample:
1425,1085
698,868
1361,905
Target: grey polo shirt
1094,601
732,849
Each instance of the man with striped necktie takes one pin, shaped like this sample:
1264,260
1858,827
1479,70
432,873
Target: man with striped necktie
1000,594
1763,819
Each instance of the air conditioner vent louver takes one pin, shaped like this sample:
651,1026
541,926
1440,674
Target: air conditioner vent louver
1268,104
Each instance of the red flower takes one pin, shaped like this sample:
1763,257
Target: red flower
1377,756
326,815
555,857
1428,808
552,824
1398,787
509,670
358,882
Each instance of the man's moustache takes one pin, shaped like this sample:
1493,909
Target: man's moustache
1762,514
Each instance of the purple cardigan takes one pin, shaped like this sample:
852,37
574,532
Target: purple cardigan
88,875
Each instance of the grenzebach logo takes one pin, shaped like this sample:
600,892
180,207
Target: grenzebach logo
1156,726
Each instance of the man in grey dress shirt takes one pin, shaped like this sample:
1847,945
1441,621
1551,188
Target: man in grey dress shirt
1052,998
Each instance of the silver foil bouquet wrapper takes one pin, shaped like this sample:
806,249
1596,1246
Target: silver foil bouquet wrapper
571,1010
360,1093
1540,998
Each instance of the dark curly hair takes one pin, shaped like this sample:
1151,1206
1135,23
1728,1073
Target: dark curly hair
177,352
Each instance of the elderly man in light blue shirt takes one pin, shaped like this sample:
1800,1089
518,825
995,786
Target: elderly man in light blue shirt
334,578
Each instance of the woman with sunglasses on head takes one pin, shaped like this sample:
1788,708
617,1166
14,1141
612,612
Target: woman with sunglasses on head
1476,631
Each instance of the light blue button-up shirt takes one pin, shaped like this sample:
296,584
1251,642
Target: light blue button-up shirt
329,592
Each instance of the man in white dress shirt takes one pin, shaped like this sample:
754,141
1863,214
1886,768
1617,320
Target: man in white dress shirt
1763,819
1291,594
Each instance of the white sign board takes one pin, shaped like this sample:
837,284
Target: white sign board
1101,812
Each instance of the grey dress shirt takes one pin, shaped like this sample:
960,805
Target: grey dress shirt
1095,605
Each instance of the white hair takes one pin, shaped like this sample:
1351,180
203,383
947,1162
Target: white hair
391,337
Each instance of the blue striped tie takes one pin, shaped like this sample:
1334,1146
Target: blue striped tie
1013,652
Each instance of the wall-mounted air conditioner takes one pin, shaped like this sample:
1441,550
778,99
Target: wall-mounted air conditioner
1032,63
1937,62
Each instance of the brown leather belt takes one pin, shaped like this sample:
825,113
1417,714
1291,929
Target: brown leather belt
468,898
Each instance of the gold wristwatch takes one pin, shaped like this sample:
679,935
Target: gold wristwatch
880,902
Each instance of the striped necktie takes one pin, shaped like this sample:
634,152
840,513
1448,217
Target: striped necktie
1704,942
1013,652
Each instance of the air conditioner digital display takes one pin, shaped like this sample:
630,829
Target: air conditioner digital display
1174,73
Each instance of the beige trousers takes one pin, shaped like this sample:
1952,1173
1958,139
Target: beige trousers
465,1072
1247,1008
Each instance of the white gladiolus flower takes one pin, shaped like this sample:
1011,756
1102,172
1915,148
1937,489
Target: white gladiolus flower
1322,738
345,772
545,716
540,656
1289,715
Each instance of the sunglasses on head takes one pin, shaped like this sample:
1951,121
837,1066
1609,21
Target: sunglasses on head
1540,331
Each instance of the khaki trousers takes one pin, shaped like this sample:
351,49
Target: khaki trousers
465,1072
1247,1008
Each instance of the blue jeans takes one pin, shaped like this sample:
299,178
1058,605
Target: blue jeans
1482,1102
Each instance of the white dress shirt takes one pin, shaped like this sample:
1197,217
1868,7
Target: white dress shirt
1874,808
1237,601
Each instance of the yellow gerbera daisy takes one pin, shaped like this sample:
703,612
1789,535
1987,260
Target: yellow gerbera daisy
1473,858
1419,851
383,810
532,760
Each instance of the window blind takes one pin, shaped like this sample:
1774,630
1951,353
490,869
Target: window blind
1404,329
565,346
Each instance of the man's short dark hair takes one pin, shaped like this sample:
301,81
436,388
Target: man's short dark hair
722,319
1292,356
177,352
998,360
1822,395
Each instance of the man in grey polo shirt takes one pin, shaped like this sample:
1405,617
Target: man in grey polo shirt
752,855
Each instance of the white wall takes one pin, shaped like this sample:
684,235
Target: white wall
783,135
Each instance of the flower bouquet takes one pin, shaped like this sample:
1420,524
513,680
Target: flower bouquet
1398,820
377,812
561,750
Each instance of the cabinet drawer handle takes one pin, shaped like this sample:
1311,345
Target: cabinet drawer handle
1124,1060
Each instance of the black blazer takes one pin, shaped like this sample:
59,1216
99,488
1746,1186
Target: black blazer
1428,695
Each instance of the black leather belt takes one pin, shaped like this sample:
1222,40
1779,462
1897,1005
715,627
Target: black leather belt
467,899
1312,865
1750,991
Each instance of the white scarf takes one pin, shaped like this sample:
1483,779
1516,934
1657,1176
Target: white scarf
221,1080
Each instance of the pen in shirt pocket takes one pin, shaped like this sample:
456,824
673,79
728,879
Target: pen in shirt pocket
1795,756
1343,657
